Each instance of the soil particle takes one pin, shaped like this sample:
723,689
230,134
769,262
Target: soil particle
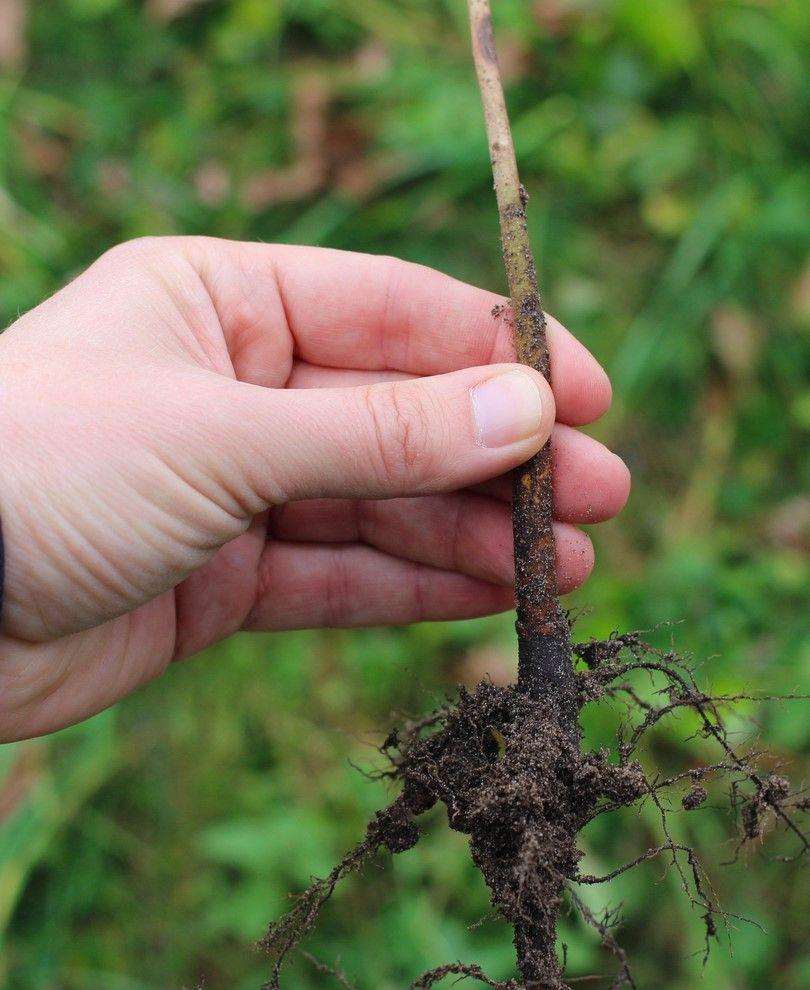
776,789
512,777
694,798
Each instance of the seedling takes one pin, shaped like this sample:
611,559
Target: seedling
508,763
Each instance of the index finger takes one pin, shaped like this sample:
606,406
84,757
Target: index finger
371,312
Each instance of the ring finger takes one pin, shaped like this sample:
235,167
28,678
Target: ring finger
464,532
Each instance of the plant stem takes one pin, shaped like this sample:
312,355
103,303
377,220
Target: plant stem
544,636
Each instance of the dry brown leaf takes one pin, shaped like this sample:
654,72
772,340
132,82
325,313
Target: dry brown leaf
23,775
493,661
308,172
167,10
13,44
213,183
736,339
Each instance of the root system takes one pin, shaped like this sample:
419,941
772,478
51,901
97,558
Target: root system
515,781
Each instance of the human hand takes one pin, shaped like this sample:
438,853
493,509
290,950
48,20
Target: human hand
202,436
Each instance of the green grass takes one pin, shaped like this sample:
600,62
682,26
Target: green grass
664,149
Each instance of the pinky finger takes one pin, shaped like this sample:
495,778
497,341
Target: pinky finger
575,557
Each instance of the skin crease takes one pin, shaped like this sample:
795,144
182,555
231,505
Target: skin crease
202,436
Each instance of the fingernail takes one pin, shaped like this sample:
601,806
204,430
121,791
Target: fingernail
507,409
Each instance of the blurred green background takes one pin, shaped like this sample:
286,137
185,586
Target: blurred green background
662,145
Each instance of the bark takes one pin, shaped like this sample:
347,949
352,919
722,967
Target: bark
544,637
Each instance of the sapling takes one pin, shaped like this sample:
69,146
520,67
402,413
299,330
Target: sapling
507,762
544,635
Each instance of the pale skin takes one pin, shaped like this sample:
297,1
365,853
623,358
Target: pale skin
202,436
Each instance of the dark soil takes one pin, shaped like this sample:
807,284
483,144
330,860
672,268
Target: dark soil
512,776
515,781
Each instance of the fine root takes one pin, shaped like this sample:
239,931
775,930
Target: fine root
514,780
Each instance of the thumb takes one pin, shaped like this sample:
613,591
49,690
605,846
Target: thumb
388,439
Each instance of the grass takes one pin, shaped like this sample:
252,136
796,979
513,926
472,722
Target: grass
663,146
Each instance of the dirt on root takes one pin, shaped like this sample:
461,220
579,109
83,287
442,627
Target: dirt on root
515,781
513,777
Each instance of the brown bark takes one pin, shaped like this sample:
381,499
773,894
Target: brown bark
544,637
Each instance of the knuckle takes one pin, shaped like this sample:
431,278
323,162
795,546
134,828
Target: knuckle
393,264
146,263
338,591
133,251
152,255
402,424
